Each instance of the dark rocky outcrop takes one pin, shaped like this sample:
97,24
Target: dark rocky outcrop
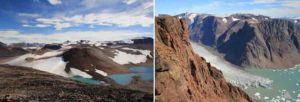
182,75
52,46
7,51
21,84
90,58
146,40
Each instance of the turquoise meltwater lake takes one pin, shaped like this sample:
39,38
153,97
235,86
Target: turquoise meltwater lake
285,86
144,72
87,80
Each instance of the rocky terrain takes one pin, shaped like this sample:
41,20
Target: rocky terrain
182,75
27,84
89,61
6,51
248,40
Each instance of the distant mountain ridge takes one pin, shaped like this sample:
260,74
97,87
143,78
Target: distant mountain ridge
84,58
249,40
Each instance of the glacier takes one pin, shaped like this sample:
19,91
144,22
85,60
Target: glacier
232,73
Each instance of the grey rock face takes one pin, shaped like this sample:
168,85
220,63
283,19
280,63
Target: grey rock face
250,40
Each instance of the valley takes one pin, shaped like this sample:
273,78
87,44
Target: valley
258,53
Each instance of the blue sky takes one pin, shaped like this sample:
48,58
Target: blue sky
273,8
59,20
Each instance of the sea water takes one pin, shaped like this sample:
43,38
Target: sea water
285,86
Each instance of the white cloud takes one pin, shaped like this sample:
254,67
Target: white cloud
122,19
128,2
54,2
293,4
32,15
42,25
276,12
137,15
286,8
97,3
60,26
264,1
110,35
26,25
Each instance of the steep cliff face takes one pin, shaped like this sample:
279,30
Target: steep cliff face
250,40
182,75
271,44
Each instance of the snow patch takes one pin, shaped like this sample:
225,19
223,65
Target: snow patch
54,65
76,72
101,72
144,52
48,54
224,20
125,58
192,17
234,19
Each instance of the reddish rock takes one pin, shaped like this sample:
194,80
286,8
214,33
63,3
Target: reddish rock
182,75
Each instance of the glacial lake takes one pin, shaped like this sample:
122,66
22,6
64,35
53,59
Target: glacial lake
285,86
87,80
146,73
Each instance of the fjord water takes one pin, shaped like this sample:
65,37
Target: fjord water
232,73
285,86
144,72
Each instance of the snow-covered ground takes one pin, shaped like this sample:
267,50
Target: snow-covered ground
144,52
232,73
234,19
224,20
101,72
48,62
53,65
76,72
125,58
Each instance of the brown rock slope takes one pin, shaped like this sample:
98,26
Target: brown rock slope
20,84
183,76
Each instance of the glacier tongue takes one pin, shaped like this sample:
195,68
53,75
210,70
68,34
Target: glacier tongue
232,73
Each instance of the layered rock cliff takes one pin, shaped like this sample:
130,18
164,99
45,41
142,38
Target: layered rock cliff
269,44
250,40
182,75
